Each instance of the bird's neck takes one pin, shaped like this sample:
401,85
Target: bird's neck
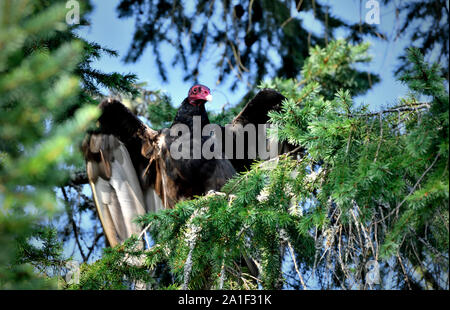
186,113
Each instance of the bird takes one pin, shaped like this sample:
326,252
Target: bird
132,169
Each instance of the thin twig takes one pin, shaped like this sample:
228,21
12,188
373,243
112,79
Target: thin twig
403,108
295,264
404,271
74,225
299,4
250,16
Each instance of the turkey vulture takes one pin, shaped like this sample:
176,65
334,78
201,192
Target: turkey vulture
132,169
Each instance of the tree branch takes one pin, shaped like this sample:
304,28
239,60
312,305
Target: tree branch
77,178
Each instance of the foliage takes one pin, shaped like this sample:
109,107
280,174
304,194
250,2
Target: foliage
387,171
370,187
94,83
253,38
35,85
427,24
43,67
113,270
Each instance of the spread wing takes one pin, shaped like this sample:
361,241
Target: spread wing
115,168
254,113
114,184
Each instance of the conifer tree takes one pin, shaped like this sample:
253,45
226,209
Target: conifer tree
36,84
94,84
44,66
370,191
255,39
426,24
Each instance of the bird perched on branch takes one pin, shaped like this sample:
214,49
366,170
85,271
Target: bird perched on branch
132,169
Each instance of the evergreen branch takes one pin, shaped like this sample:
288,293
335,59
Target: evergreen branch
403,108
263,164
94,244
381,139
191,239
405,274
411,191
250,5
222,275
431,248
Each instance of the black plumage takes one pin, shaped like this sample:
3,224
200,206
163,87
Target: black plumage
162,179
187,111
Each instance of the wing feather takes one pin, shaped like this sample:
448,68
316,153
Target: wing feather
117,191
254,112
103,213
118,156
257,109
127,189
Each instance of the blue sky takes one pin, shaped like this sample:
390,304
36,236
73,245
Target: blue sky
110,31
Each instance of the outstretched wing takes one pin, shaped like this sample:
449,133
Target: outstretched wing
115,187
256,110
115,167
254,113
